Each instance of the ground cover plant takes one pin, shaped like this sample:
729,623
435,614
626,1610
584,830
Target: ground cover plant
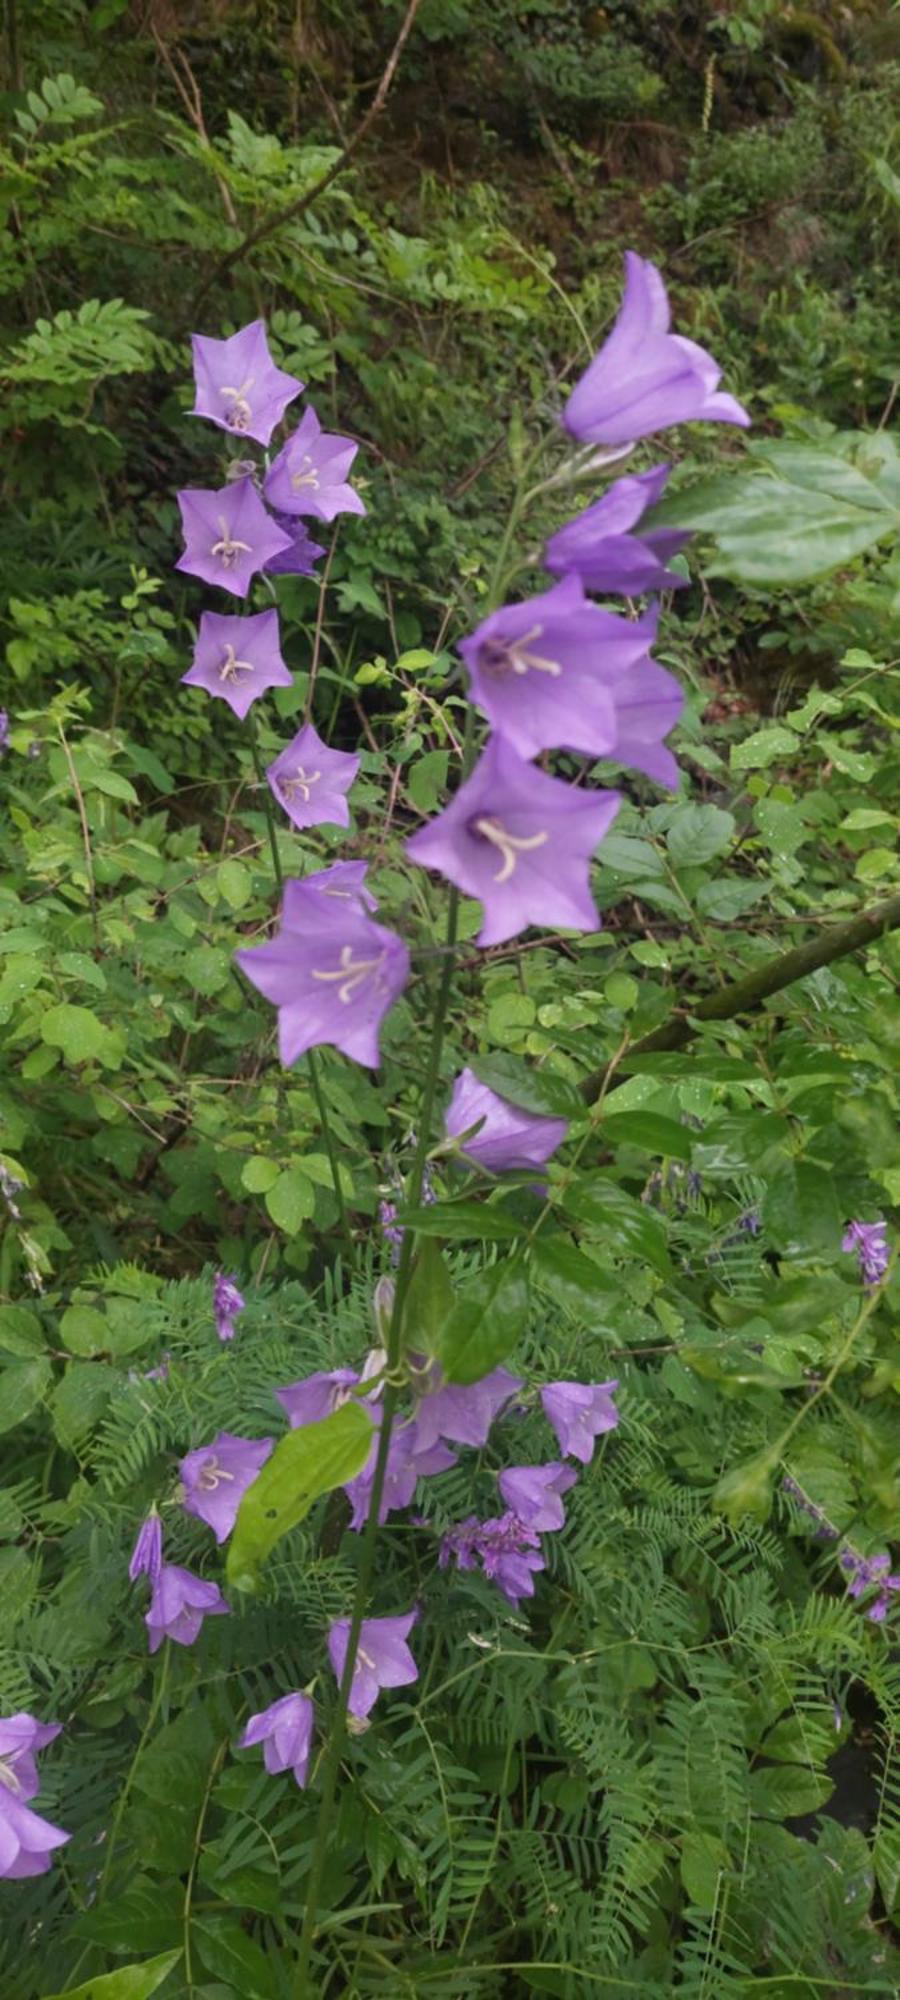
450,1435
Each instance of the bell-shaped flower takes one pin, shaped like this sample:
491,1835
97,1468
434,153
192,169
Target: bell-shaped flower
343,882
179,1604
463,1412
644,377
238,384
521,842
534,1493
509,1138
216,1477
228,535
333,980
579,1413
558,673
302,554
409,1460
309,476
311,781
236,658
599,547
383,1659
285,1730
146,1556
26,1840
317,1396
21,1737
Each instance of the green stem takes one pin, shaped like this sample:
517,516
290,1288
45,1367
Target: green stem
263,783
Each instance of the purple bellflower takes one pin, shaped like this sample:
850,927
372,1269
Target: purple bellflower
237,659
300,558
462,1412
508,1551
285,1731
4,731
343,882
521,842
311,781
309,476
579,1413
599,547
408,1462
534,1493
868,1239
644,377
383,1660
509,1137
228,535
332,981
179,1604
552,673
21,1736
146,1556
216,1477
227,1303
238,384
317,1396
26,1840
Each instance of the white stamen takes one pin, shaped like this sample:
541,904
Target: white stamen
227,549
310,478
231,666
509,845
365,1659
299,785
239,415
351,974
501,656
8,1778
211,1475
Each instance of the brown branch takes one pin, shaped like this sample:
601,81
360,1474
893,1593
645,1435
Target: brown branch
311,194
189,91
745,994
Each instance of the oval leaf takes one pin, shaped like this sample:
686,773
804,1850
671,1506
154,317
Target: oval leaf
485,1323
307,1463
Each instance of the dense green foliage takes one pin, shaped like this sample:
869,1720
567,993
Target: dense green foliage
676,1770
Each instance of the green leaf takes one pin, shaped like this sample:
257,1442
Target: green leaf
485,1323
84,1330
571,1277
259,1174
536,1090
459,1220
291,1200
23,1385
787,1791
766,746
80,1035
304,1465
228,1953
800,1211
429,1298
234,883
631,1229
651,1131
21,1331
748,1488
697,834
130,1982
703,1859
426,779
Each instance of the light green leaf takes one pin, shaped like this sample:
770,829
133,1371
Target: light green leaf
84,1330
697,834
234,883
130,1982
20,1331
291,1200
426,779
80,1035
485,1323
259,1174
429,1298
766,746
23,1385
304,1465
703,1858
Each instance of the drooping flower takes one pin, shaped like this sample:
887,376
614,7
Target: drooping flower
227,1303
26,1840
146,1556
534,1493
644,377
408,1461
382,1661
228,535
302,554
598,545
216,1477
4,731
333,978
463,1412
343,882
237,659
311,781
508,1551
309,476
21,1737
556,672
579,1413
179,1604
285,1731
521,842
392,1231
238,384
869,1240
317,1396
509,1137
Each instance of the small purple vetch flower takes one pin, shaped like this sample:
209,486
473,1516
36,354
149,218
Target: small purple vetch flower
508,1551
26,1840
558,673
644,377
509,1138
599,547
285,1730
179,1604
236,659
318,1396
238,384
521,843
309,476
461,1412
534,1493
302,553
869,1240
216,1477
579,1413
333,981
311,781
21,1737
227,1303
4,731
343,882
383,1660
228,535
146,1556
